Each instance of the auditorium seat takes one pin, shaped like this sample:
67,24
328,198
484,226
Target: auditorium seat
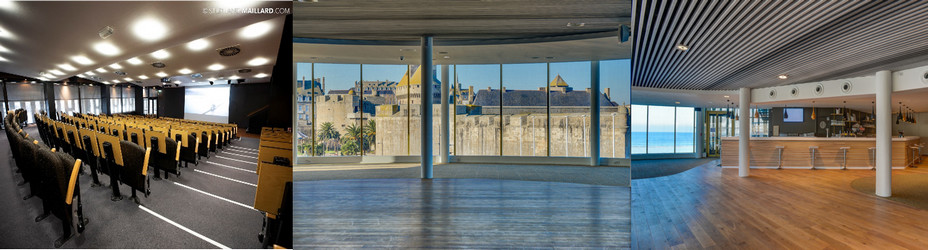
134,171
189,149
204,144
92,155
166,156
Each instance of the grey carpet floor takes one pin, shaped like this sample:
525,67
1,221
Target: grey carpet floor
123,224
642,169
610,176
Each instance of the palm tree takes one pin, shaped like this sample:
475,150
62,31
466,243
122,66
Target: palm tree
350,145
327,133
370,135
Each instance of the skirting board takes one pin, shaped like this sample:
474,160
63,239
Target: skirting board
807,167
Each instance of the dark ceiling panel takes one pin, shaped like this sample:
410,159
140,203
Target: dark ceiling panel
403,20
735,44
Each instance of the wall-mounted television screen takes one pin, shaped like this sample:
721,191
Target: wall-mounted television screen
792,115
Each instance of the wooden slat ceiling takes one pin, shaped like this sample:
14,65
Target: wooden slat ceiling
735,44
404,20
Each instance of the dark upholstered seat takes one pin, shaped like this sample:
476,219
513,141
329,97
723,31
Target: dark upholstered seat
134,171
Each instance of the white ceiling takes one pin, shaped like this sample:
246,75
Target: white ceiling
736,44
40,36
915,99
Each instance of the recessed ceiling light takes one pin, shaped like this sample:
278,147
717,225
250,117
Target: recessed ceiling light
41,78
83,60
143,77
177,82
198,44
4,33
576,24
115,66
106,48
3,59
211,79
149,29
783,76
682,47
233,77
57,72
3,49
255,30
184,71
128,79
258,61
726,96
261,75
134,61
67,67
446,57
7,4
161,54
161,74
101,70
106,82
215,67
90,73
80,75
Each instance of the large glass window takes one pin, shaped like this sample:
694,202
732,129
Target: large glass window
497,109
478,126
663,129
524,109
685,138
26,96
615,92
90,99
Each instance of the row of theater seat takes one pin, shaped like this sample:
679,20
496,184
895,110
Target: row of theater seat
52,176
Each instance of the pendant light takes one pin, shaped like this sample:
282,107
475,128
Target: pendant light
756,113
845,110
813,110
899,116
785,113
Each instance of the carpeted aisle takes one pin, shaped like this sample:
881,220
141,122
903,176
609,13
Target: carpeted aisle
222,214
909,189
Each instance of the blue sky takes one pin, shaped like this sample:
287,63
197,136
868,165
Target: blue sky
615,74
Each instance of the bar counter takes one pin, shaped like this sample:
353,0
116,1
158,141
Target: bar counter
797,152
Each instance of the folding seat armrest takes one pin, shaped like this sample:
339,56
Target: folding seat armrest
73,181
177,154
196,148
145,162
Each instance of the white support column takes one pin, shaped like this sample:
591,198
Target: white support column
594,113
744,133
444,133
426,126
884,132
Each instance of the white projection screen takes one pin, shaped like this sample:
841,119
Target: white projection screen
209,104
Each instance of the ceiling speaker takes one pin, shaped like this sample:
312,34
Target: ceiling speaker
624,33
229,51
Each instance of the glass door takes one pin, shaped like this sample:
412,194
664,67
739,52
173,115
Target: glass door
716,126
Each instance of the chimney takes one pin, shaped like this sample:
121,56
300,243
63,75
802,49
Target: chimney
588,90
323,85
504,89
489,88
607,94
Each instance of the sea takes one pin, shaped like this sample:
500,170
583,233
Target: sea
662,143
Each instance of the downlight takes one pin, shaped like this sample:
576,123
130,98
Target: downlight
159,65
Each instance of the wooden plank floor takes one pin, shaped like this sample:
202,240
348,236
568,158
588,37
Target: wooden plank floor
460,213
710,207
